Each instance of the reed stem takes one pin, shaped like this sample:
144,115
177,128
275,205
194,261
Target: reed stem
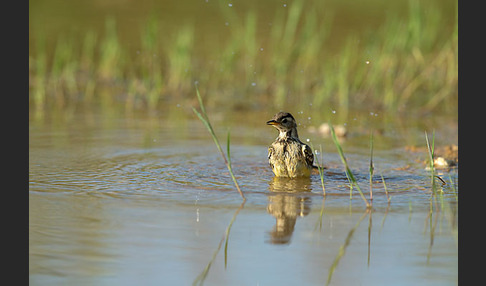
204,118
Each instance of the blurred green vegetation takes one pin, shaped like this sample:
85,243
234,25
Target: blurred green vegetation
283,54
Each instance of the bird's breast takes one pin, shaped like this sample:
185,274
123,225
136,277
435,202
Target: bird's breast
287,159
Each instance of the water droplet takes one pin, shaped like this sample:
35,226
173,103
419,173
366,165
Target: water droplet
308,140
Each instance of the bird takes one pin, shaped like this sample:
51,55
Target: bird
288,156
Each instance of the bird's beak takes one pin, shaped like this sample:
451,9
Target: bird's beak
272,122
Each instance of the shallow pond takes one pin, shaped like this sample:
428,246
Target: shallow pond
126,199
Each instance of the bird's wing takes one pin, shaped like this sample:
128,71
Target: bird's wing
271,151
308,155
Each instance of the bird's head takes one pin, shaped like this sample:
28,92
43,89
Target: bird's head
285,123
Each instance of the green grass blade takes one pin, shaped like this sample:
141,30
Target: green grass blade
372,168
320,168
228,148
430,149
201,105
204,118
386,189
345,163
321,171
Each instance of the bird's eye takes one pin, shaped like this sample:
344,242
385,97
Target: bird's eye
284,120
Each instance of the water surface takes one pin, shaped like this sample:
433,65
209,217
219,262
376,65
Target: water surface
118,198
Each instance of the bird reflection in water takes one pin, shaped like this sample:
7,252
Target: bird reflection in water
288,199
